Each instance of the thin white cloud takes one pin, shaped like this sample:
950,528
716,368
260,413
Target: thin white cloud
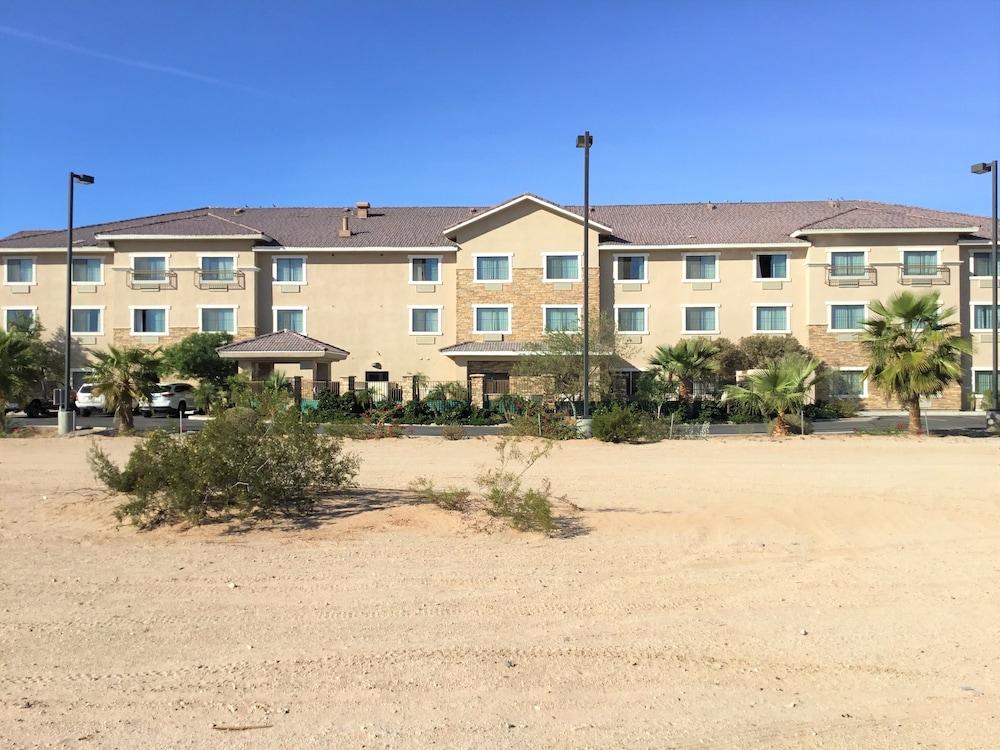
140,64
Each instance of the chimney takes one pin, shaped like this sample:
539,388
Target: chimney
363,207
345,228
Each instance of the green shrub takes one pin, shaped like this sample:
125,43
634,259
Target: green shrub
505,496
618,424
453,432
544,425
240,464
417,412
450,498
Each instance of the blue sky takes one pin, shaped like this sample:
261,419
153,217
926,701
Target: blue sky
182,104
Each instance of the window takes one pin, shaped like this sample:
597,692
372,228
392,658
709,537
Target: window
18,318
425,320
771,267
492,319
217,319
848,383
86,320
701,268
289,269
847,317
376,376
981,318
290,319
630,268
980,262
561,318
847,263
701,319
20,271
218,268
491,268
631,318
425,269
149,321
149,269
88,271
771,319
982,382
562,267
920,262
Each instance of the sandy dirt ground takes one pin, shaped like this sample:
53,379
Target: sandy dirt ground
733,593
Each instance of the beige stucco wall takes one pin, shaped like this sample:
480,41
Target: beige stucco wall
360,301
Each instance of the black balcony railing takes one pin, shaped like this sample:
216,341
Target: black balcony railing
919,274
144,279
220,279
851,276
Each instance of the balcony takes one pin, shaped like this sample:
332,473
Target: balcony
150,279
921,275
225,280
867,276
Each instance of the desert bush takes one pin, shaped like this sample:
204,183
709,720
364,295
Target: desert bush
241,464
838,408
417,412
503,491
544,425
449,498
453,432
617,424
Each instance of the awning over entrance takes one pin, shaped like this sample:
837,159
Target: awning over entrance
487,349
282,346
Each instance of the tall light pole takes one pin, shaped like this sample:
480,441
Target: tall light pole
585,141
993,417
65,413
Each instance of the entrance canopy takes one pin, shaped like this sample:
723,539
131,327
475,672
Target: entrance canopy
282,346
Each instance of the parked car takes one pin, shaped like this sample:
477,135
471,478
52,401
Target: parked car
87,401
168,399
33,406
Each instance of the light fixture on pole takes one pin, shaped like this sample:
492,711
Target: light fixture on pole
993,416
65,412
585,141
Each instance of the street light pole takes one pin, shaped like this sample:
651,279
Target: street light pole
65,413
993,417
585,141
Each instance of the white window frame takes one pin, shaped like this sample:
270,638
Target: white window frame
34,270
788,265
645,268
788,316
475,319
846,303
864,265
100,261
864,383
131,319
234,256
645,319
684,328
510,268
545,268
546,308
236,315
972,385
972,316
409,314
274,270
972,263
902,261
409,265
684,268
6,309
100,328
166,267
305,316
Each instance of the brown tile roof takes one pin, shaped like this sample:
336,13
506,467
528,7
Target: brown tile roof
481,347
642,224
282,341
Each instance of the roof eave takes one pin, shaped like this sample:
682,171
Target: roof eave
450,231
111,236
885,230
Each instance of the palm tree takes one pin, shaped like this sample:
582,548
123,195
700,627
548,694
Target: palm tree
18,370
688,360
124,376
781,386
912,351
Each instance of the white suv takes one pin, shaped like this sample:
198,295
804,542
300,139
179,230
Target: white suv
169,399
87,401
